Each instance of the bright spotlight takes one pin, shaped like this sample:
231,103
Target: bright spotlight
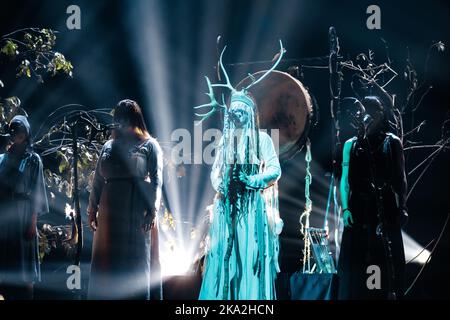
175,261
415,251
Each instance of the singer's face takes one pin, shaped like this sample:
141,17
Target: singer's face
16,139
122,128
375,125
239,115
18,136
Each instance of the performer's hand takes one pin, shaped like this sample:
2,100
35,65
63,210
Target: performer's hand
243,178
348,219
93,223
239,178
148,222
254,182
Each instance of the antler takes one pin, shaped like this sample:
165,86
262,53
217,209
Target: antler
228,84
280,56
213,104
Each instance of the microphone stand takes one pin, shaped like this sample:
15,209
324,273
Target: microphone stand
335,91
76,197
335,94
74,126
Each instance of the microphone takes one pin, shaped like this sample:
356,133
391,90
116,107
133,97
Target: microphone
333,41
368,120
334,48
233,117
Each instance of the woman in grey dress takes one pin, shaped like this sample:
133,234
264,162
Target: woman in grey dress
22,199
122,211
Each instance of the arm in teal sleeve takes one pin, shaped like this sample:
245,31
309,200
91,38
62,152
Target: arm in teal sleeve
272,168
345,186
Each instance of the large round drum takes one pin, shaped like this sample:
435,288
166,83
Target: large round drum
283,104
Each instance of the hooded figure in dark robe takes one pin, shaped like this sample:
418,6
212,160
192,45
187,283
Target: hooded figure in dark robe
22,199
373,192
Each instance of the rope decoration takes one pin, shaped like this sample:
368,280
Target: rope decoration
304,217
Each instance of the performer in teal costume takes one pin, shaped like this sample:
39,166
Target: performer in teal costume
242,257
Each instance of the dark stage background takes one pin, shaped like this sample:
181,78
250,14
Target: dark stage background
157,52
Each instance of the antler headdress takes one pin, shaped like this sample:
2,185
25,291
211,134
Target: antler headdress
241,95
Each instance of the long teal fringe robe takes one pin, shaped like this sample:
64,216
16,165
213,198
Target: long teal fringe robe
253,263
